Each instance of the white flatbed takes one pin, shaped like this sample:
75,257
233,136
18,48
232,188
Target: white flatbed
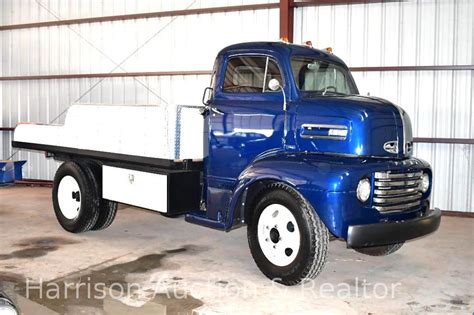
138,134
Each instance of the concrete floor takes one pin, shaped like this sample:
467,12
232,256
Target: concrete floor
173,267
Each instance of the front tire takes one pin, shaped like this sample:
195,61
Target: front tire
287,239
383,250
75,198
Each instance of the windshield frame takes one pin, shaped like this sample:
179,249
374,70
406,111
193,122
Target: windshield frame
340,66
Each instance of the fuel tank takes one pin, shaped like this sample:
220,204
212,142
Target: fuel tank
353,125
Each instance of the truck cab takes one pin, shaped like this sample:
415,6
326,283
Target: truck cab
293,152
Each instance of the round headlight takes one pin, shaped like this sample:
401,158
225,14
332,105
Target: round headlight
425,183
363,190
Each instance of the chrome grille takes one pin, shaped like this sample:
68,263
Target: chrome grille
395,192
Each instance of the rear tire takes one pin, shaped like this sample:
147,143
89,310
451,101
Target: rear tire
75,198
107,208
282,255
379,250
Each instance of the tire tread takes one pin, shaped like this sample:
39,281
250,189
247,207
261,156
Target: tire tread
107,208
319,237
383,250
89,197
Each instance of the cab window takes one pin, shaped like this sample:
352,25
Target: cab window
318,77
247,74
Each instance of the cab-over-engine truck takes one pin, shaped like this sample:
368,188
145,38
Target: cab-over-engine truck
284,144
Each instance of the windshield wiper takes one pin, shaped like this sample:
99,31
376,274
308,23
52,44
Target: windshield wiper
322,93
333,92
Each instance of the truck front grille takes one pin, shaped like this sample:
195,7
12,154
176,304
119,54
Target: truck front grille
394,192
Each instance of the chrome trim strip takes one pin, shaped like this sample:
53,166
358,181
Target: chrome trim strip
324,126
398,207
395,192
397,183
398,179
323,137
401,111
385,175
388,201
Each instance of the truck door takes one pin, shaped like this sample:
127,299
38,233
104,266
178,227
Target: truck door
246,120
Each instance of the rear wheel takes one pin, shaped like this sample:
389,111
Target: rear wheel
107,208
75,198
287,239
379,250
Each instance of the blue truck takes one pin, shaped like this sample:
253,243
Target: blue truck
283,144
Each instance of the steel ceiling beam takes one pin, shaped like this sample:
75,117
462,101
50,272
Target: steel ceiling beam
312,3
147,15
207,72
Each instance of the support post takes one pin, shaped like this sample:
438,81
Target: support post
286,20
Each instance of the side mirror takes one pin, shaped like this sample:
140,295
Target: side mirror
207,95
274,85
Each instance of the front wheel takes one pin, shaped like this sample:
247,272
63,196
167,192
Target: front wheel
287,239
383,250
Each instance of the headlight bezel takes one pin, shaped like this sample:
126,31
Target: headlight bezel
364,190
425,183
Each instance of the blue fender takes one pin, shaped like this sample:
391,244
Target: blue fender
310,175
327,182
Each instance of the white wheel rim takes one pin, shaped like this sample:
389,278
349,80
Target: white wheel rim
278,235
69,197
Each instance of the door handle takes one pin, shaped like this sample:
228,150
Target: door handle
216,111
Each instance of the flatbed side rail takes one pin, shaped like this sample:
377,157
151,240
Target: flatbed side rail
67,153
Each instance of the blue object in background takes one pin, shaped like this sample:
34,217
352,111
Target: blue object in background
11,171
19,169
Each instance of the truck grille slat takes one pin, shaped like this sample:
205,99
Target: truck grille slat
397,208
386,175
397,183
393,200
395,192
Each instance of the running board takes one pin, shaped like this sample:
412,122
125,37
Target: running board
199,217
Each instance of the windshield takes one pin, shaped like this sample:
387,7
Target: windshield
318,77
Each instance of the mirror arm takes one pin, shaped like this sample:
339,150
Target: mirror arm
284,99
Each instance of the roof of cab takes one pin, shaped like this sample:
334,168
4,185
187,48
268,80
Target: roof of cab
284,49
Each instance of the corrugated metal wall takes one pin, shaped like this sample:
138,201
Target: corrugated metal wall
27,11
439,102
181,43
384,34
